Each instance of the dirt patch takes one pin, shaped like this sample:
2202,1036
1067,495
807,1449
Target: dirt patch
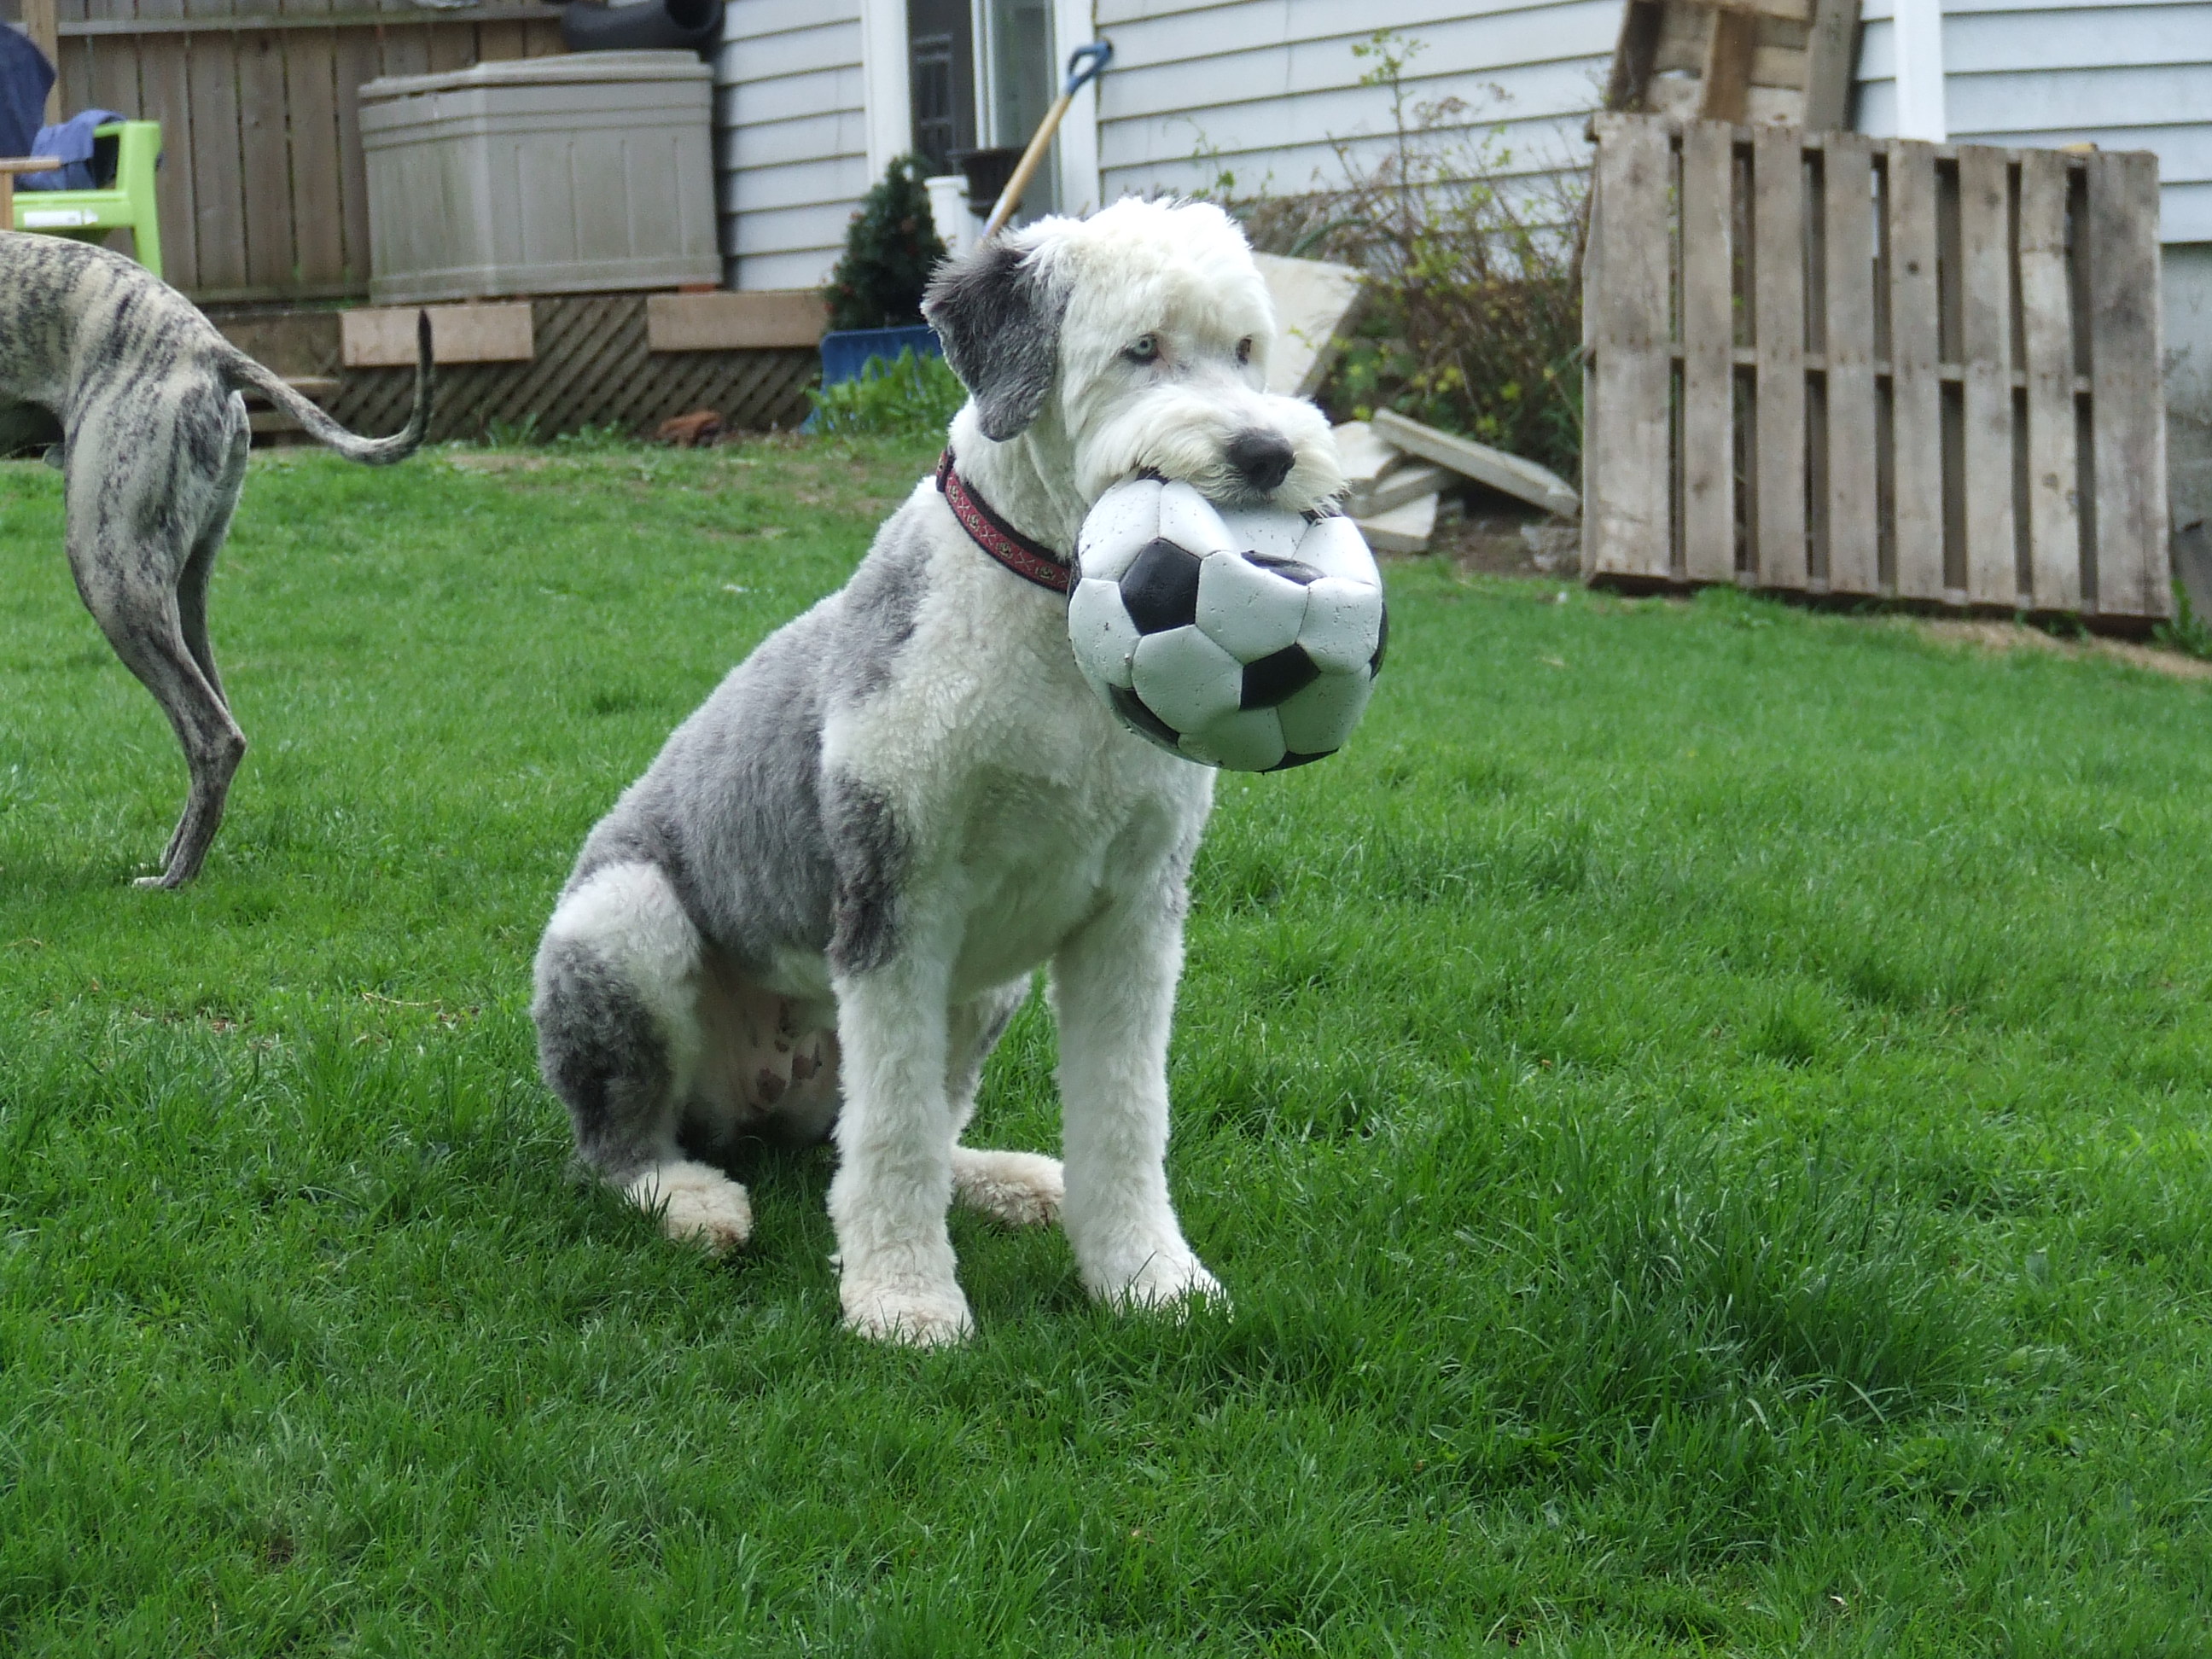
1991,635
1493,538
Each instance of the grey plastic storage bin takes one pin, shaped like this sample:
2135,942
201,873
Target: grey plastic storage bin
541,176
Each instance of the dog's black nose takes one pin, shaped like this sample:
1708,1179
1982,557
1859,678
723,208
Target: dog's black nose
1262,460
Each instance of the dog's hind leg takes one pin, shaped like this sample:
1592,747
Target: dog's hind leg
618,1040
128,563
1021,1188
199,566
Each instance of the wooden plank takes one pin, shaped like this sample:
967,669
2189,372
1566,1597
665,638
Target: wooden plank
383,336
1778,339
451,49
498,43
1985,349
174,21
727,322
218,179
2126,399
1831,49
1708,431
265,173
358,60
2054,524
406,51
1731,39
543,40
1527,480
164,95
42,22
113,66
1627,276
311,96
1847,278
1916,391
1634,53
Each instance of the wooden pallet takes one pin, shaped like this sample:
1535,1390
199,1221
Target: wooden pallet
1782,61
591,365
1824,364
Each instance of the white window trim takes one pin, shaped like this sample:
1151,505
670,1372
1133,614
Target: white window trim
883,83
1073,26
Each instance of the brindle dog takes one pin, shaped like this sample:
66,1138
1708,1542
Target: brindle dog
139,400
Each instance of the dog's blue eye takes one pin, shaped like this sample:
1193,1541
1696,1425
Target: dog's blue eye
1145,350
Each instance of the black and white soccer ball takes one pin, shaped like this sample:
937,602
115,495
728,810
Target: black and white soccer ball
1244,640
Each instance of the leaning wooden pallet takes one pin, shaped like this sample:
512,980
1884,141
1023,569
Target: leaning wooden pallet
1782,60
1826,364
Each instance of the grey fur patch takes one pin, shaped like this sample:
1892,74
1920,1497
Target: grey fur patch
871,856
999,322
601,1051
880,602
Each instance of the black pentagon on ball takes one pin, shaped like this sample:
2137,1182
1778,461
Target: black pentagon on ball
1160,589
1290,571
1273,677
1131,708
1294,758
1381,644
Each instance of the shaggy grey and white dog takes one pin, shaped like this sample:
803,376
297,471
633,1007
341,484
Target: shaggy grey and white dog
823,901
139,399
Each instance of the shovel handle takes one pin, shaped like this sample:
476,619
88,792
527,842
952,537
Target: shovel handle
1084,65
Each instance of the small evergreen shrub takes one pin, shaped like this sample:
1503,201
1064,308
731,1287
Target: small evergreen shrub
912,395
890,248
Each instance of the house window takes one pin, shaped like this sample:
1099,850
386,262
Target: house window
1017,46
941,56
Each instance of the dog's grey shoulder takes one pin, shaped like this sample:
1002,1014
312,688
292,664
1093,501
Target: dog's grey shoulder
766,850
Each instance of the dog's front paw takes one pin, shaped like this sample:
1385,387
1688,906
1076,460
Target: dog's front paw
1165,1279
915,1314
1023,1189
696,1205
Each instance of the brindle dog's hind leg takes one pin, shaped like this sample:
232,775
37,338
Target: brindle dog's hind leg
144,524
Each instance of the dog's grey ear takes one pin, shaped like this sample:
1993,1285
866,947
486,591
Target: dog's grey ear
1000,320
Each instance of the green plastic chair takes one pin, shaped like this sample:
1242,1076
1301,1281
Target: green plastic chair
90,215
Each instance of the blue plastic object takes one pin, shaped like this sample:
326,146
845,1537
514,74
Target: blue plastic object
847,352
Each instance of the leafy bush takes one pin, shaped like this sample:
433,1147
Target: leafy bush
1475,322
890,248
910,394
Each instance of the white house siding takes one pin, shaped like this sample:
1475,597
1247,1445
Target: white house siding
2035,72
792,137
1264,89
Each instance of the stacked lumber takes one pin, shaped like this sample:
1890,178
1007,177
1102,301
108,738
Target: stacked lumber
1396,469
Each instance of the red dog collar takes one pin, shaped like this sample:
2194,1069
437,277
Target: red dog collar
1031,561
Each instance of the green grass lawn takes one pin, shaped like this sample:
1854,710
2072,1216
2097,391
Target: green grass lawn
1702,1110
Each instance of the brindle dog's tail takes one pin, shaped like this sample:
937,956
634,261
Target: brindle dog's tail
241,372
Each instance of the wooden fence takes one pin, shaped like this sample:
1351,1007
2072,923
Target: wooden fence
264,194
1826,364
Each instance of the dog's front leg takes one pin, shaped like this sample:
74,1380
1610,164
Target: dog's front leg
1114,988
894,1180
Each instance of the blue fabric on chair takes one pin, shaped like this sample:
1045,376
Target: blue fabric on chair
70,143
26,77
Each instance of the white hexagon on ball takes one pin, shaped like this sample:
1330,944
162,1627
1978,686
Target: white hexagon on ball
1246,609
1343,624
1317,719
1121,526
1250,740
1099,628
1186,678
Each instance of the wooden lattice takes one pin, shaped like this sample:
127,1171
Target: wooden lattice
1826,364
592,368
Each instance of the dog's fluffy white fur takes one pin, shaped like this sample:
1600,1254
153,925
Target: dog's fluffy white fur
823,901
